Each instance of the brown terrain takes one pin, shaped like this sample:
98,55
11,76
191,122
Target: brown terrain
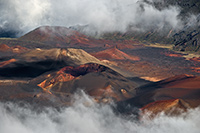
172,96
115,54
14,49
96,80
169,107
49,65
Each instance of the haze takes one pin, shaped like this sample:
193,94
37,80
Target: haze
98,15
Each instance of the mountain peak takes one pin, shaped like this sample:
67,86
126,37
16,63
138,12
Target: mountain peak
55,35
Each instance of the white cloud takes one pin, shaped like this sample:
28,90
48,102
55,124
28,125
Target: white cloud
100,15
85,116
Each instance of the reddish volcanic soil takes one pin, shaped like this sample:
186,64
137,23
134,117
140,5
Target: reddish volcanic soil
196,69
182,87
195,59
47,34
59,37
172,54
14,49
153,64
65,37
146,62
69,73
19,49
4,63
4,47
183,81
97,80
171,107
116,54
51,76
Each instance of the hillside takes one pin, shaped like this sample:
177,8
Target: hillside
114,54
48,72
121,71
183,87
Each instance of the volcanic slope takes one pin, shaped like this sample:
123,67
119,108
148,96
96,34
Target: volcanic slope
58,37
57,88
97,80
57,74
169,107
30,44
182,87
38,61
114,54
14,49
35,62
62,37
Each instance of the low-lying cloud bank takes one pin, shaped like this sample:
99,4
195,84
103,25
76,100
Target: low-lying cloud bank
99,15
87,117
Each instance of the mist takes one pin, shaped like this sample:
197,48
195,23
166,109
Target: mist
97,15
85,116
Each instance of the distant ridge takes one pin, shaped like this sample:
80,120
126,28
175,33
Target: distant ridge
56,36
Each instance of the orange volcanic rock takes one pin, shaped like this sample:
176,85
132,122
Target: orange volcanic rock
69,73
59,77
96,80
173,54
196,69
19,49
4,63
4,47
114,53
174,106
195,59
107,46
14,49
152,79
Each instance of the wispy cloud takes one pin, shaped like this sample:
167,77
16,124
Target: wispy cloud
85,116
99,15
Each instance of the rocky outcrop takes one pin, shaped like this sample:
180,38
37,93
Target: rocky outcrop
187,40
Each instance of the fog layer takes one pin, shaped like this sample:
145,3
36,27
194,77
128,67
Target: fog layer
85,116
99,15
